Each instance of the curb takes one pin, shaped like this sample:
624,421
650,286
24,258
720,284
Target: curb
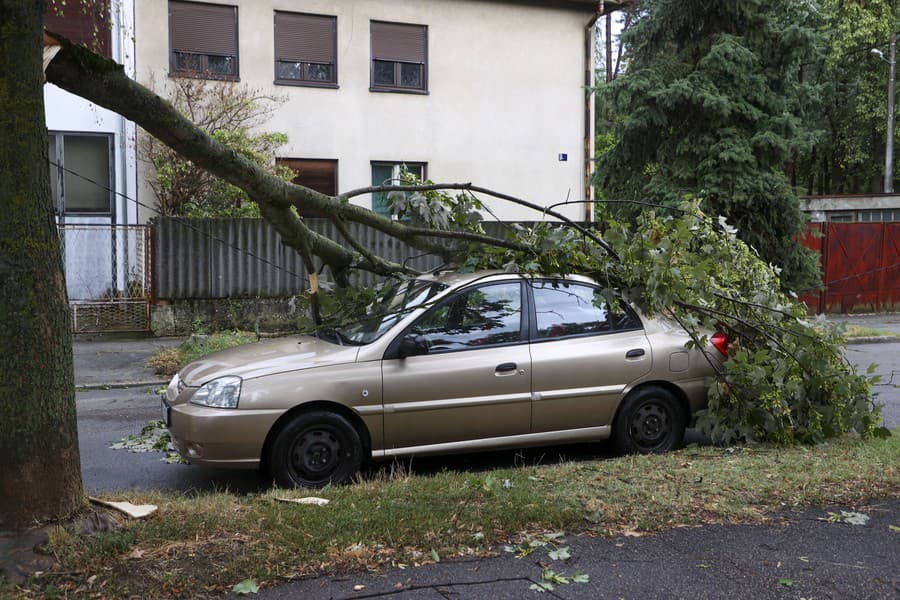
874,339
118,385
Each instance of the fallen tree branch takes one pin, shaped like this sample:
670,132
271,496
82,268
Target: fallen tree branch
482,190
104,82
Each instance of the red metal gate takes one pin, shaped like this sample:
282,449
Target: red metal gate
860,267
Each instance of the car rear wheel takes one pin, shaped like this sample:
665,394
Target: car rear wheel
651,420
315,449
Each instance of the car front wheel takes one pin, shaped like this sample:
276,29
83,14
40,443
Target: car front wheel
651,420
315,449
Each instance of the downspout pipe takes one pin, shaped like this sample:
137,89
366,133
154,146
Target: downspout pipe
588,96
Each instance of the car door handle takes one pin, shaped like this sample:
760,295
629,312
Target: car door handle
636,353
506,367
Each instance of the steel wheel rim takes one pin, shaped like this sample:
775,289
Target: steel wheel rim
651,425
315,454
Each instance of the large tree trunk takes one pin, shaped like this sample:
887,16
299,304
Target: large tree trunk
40,477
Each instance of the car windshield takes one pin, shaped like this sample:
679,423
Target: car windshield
396,304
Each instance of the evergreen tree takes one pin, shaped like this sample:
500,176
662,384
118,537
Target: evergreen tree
712,106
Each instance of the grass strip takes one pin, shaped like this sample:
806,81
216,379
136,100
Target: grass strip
204,544
858,331
168,361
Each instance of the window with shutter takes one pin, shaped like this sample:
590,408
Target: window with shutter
317,174
203,39
305,49
86,23
399,57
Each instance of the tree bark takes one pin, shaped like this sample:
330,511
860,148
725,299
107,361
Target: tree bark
40,476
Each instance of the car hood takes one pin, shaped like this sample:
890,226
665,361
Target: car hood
267,358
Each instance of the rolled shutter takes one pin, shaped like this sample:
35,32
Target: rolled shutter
85,23
399,42
316,174
305,38
203,28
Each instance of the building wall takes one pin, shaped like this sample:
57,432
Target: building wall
90,266
857,207
505,83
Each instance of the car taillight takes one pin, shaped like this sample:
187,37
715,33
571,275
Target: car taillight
720,341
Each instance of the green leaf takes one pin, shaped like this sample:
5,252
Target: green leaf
786,582
894,528
560,554
853,518
435,556
554,577
247,586
579,577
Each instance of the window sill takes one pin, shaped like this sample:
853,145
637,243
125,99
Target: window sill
207,76
399,91
308,84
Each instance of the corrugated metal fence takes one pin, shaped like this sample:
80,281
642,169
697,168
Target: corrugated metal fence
245,258
241,258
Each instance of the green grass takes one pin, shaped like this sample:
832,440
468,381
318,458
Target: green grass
169,360
207,543
857,331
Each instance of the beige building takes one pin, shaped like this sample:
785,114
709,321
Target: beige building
484,91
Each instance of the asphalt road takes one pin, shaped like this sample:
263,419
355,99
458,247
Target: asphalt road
886,357
798,555
105,416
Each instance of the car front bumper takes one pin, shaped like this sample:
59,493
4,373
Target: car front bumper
232,438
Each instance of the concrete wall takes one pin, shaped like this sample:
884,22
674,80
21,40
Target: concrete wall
505,83
268,315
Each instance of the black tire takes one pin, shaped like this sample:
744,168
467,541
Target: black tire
315,449
651,420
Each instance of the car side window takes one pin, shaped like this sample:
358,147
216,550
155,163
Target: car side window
483,316
565,308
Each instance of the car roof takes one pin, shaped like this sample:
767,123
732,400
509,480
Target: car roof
456,279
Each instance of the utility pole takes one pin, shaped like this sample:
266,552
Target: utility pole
889,146
889,149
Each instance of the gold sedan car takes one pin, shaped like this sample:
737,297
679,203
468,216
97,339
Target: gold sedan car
449,363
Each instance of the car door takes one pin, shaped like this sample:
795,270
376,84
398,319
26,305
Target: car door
582,355
472,378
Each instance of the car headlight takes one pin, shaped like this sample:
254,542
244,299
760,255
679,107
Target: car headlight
223,392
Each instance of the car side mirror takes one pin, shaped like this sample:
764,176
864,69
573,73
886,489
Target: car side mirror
412,345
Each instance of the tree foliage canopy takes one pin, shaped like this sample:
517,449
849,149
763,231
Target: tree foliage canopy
849,127
231,114
786,379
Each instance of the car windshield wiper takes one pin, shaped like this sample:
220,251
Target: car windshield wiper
332,333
